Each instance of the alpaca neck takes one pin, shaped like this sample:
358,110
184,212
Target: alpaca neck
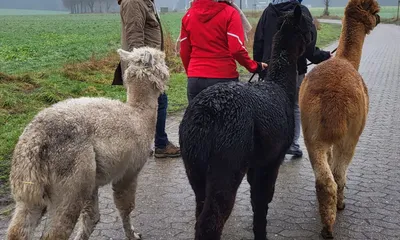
145,104
283,66
351,41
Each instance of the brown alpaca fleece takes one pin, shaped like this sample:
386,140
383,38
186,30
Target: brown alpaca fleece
334,105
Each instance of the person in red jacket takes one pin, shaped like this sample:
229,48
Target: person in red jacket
211,39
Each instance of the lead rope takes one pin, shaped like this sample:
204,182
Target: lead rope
252,76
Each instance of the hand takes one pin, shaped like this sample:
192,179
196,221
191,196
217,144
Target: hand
261,67
264,65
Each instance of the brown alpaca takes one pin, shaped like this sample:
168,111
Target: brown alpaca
334,106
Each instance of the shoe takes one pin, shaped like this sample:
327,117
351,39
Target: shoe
295,152
170,151
151,153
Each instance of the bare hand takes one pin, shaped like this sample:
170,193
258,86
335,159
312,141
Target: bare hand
264,65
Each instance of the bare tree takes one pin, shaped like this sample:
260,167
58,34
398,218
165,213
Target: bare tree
68,4
90,4
326,10
82,6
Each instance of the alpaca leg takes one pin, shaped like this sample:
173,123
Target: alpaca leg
330,157
197,180
24,221
124,198
63,218
200,199
326,188
90,216
220,198
262,182
71,192
343,154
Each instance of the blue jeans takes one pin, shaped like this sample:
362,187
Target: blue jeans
161,138
297,120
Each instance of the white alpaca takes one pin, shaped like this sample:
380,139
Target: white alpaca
75,146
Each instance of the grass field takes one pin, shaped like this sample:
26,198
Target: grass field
25,12
47,58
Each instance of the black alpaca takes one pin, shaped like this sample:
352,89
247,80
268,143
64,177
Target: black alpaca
230,129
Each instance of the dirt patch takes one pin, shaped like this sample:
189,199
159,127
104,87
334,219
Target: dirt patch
26,80
172,56
95,70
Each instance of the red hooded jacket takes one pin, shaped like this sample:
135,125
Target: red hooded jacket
211,39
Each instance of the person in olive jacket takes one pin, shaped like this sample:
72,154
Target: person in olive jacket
266,29
141,27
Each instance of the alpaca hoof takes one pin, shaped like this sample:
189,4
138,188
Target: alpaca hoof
134,236
341,206
326,234
137,236
263,237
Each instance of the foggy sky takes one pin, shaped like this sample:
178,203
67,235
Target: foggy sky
57,4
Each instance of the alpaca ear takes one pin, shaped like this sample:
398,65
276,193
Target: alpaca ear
162,77
297,13
148,59
124,55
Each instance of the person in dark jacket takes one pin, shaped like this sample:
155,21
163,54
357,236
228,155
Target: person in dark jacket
266,29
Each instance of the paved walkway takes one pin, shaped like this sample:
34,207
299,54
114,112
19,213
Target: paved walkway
165,201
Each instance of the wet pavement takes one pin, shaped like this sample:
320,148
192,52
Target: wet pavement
165,201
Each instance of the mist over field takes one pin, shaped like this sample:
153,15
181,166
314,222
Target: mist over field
58,5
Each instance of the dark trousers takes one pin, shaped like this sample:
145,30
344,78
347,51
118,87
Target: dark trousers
196,85
161,138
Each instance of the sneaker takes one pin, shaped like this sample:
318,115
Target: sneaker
170,151
295,152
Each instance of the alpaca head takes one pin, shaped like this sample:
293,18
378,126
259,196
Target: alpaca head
146,68
365,12
295,30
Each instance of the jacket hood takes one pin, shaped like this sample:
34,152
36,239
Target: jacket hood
205,10
283,7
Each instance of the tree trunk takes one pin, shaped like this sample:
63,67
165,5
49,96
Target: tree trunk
91,6
326,10
108,5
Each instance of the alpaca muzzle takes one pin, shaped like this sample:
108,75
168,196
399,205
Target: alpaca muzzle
378,19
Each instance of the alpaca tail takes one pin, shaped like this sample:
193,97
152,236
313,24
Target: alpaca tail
29,172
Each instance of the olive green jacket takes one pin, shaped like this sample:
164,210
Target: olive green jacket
141,27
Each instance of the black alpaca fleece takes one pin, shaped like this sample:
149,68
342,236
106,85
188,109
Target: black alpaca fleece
233,128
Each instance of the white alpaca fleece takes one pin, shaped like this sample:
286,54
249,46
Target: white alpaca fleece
75,146
148,63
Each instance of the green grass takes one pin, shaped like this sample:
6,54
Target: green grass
48,58
328,34
29,12
29,43
385,13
